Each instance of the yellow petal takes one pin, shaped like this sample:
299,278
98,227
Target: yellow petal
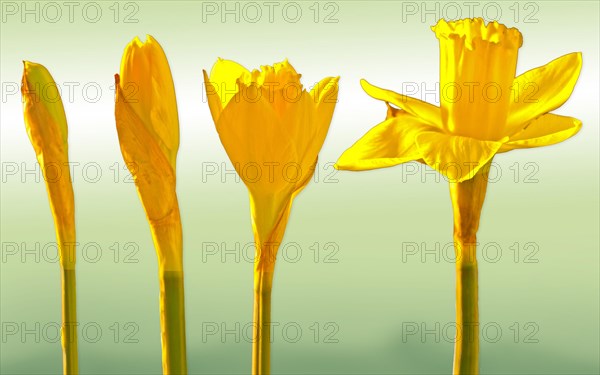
257,143
147,87
223,77
46,126
43,107
325,91
546,130
429,113
324,97
151,170
456,157
212,96
542,90
300,119
390,143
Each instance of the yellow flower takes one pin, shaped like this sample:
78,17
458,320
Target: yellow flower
272,130
46,125
484,108
148,128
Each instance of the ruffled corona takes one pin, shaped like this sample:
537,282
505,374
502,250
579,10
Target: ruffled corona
477,68
474,31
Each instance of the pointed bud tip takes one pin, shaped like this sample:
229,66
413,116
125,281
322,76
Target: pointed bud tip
136,43
27,65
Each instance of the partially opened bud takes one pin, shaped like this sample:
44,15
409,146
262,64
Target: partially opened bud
148,124
148,128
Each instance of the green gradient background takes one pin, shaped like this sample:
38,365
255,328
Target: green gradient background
370,292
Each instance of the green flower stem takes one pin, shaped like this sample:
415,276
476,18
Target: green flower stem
69,322
168,240
467,201
261,343
172,322
466,347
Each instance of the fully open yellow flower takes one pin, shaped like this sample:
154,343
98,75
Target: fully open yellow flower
148,127
46,126
484,108
272,130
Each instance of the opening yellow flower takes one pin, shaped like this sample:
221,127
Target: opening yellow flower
148,128
272,130
483,109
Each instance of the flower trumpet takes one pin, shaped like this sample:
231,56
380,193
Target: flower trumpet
272,130
484,110
46,126
148,128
